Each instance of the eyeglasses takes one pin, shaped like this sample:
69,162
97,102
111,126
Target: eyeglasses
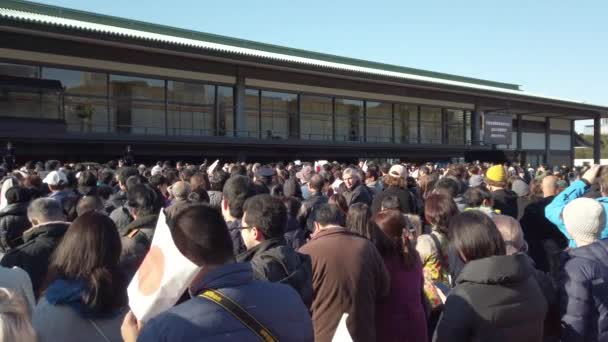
245,227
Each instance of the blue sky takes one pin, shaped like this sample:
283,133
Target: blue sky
555,48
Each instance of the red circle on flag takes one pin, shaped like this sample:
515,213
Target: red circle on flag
150,273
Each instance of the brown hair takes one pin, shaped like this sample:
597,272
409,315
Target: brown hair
340,202
394,242
90,252
395,181
427,183
438,210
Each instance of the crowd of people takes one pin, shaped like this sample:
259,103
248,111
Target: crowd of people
288,251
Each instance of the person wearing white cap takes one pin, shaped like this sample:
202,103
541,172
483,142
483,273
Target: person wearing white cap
57,181
396,186
583,281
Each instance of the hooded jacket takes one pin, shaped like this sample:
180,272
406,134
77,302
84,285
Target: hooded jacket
495,299
34,254
13,222
583,293
274,261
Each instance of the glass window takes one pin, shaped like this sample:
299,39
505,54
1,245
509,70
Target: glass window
19,70
21,104
138,117
430,125
316,118
191,109
455,126
225,99
279,115
78,82
406,124
252,114
349,120
379,122
190,93
86,114
132,115
140,88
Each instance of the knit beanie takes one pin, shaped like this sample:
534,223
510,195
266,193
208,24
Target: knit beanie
520,187
584,219
496,173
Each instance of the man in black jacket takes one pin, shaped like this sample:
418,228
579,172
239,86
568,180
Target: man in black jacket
262,229
46,216
310,205
355,191
397,187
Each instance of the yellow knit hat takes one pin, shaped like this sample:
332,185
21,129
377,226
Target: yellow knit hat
496,173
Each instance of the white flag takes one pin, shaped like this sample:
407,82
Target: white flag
163,276
342,334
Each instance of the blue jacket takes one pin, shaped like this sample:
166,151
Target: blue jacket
278,307
553,211
583,293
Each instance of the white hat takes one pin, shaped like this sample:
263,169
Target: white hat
584,219
157,170
398,171
55,178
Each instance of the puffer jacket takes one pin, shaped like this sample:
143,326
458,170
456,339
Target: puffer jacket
495,299
274,261
583,293
13,222
275,306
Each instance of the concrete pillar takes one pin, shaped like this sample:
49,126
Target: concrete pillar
240,120
597,139
547,140
475,126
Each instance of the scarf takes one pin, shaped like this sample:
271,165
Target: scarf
68,292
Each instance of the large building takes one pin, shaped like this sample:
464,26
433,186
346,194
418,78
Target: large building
83,85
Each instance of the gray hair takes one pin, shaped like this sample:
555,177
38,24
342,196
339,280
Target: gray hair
15,322
45,210
181,190
350,172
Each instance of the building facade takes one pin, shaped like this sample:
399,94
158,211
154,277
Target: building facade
77,84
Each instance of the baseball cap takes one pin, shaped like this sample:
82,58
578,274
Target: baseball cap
55,178
398,171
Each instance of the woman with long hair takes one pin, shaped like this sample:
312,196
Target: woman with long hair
405,302
497,296
358,220
439,209
87,291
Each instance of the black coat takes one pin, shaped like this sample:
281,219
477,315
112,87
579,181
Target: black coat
404,196
538,231
506,201
495,299
360,194
13,222
306,215
274,261
136,240
295,235
35,253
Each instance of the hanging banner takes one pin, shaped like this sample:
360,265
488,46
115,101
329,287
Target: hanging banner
497,129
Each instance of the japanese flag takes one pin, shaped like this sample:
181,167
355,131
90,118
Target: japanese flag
342,334
163,276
